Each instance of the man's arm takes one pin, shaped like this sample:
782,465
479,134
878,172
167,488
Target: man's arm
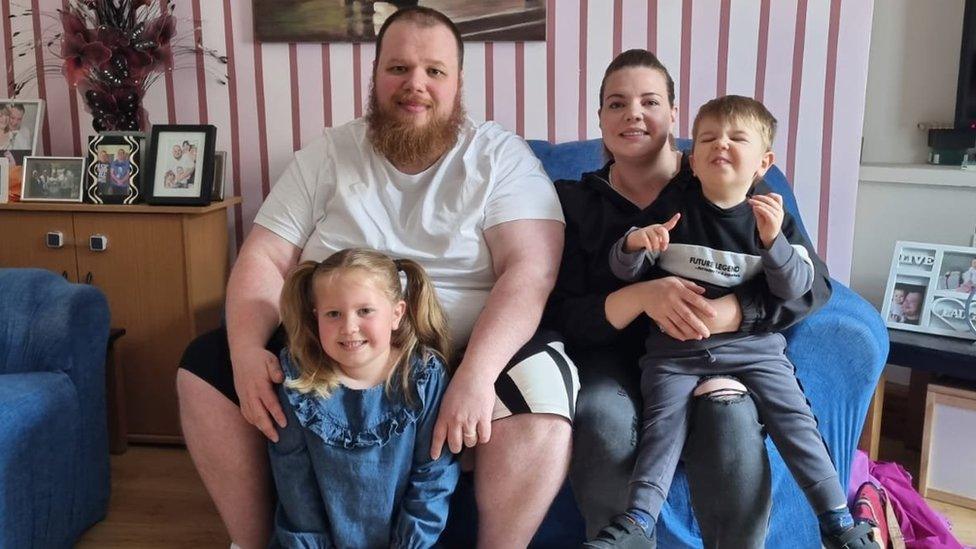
525,257
253,292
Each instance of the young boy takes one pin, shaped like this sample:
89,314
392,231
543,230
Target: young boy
895,313
725,230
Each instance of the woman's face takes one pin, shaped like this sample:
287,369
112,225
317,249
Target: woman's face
636,118
4,118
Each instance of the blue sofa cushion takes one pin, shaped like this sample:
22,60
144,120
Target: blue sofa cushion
36,464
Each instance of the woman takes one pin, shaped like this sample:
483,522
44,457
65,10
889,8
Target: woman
605,321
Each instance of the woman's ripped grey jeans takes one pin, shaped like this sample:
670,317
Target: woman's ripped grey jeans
724,449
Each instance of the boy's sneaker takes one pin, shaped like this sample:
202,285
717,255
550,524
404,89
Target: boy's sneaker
869,506
859,536
623,533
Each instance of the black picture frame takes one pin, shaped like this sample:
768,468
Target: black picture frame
104,168
173,179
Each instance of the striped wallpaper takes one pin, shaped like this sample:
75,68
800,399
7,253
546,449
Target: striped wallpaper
795,55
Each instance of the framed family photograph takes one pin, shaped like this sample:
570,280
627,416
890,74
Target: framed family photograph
930,289
20,130
53,179
114,168
181,161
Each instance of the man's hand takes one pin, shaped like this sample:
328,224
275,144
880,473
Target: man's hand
464,420
653,238
255,372
768,209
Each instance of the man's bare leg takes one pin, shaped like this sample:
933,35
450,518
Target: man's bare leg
518,473
231,457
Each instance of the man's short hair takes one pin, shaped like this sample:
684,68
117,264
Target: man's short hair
17,106
739,108
423,17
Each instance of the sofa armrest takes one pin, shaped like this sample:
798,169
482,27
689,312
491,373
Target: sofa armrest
50,325
839,353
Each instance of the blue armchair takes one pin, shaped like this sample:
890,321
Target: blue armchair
54,466
839,353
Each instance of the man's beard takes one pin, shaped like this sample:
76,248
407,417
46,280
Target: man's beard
405,144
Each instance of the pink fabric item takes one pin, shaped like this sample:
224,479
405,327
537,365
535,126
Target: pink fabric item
922,527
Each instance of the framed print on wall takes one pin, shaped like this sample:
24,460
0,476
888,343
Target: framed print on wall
349,21
930,289
181,163
114,168
53,179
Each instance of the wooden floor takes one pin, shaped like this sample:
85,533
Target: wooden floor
159,502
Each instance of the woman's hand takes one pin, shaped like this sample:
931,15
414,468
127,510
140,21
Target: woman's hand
677,306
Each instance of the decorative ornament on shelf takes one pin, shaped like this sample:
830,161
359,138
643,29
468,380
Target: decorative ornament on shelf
112,51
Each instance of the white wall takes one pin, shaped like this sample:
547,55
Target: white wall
912,73
903,211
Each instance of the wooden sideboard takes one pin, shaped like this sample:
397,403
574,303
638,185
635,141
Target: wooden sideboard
164,271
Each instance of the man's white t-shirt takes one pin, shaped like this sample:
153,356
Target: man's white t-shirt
339,193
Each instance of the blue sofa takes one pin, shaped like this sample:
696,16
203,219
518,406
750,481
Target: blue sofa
54,466
839,353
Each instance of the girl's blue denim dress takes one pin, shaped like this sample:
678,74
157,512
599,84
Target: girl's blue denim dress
354,469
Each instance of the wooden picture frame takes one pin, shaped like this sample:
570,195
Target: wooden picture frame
184,177
949,446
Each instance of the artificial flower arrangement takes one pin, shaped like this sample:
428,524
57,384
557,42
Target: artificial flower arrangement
112,51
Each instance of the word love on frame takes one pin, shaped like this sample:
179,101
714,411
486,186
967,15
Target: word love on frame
931,289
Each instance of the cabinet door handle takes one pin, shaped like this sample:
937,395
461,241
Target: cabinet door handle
97,243
88,278
54,239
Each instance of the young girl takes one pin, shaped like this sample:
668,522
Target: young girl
365,369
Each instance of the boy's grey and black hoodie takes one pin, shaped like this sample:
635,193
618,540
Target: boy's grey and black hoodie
597,217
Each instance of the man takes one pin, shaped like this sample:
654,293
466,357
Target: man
21,136
414,179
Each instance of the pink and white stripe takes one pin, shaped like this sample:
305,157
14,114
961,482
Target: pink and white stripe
807,61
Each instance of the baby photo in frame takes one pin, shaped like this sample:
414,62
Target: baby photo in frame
181,161
930,289
114,168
